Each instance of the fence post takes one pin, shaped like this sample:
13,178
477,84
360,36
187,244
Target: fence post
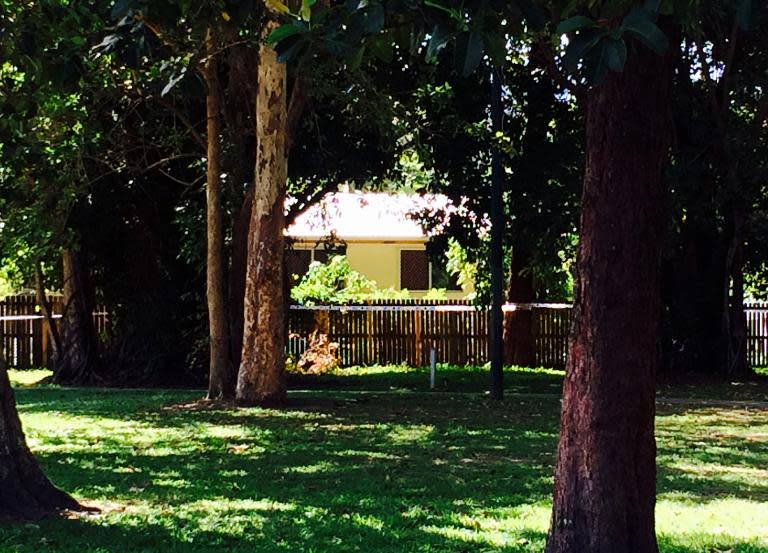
417,322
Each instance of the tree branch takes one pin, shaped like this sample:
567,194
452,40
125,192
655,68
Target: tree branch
186,122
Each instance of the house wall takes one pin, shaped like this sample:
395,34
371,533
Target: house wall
380,261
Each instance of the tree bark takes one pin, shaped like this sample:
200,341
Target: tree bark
237,272
25,492
605,479
735,321
261,378
49,324
694,284
78,359
220,375
518,325
242,63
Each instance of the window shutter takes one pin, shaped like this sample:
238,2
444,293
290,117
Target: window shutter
414,270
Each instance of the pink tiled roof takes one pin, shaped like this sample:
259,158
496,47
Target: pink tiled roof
367,215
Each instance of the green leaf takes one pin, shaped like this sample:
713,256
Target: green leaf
615,54
579,47
575,23
469,52
596,64
120,8
639,24
175,78
289,49
440,36
283,32
496,47
381,47
374,19
357,58
277,6
306,9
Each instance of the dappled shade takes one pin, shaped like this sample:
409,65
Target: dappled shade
343,471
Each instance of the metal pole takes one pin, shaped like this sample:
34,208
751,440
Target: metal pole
432,367
497,242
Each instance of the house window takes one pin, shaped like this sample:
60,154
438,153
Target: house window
441,278
297,261
417,272
414,270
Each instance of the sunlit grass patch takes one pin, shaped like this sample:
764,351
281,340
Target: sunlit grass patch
30,377
337,472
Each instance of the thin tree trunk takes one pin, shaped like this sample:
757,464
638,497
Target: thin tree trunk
237,272
239,110
605,479
221,379
78,358
518,325
261,378
49,325
25,492
496,258
736,318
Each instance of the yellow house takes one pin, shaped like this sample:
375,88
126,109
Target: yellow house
378,234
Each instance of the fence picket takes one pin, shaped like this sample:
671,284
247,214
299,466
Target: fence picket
460,336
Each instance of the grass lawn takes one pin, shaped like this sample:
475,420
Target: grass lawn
384,472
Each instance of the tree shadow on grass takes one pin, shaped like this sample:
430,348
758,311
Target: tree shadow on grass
348,475
709,453
382,473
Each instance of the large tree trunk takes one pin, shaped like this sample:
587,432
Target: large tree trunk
261,379
25,492
221,378
518,325
78,359
605,479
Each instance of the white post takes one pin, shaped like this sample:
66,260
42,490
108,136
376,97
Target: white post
432,367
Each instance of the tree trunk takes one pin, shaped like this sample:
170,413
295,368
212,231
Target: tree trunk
605,479
78,359
25,492
694,284
518,325
237,272
261,379
239,110
49,324
220,375
735,329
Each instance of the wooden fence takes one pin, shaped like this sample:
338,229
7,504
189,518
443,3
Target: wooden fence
397,332
24,343
404,331
383,332
757,333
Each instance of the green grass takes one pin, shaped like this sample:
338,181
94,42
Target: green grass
387,472
448,378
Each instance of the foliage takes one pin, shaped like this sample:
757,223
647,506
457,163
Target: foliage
341,471
756,283
335,282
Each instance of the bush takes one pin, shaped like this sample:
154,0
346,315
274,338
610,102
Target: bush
336,283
